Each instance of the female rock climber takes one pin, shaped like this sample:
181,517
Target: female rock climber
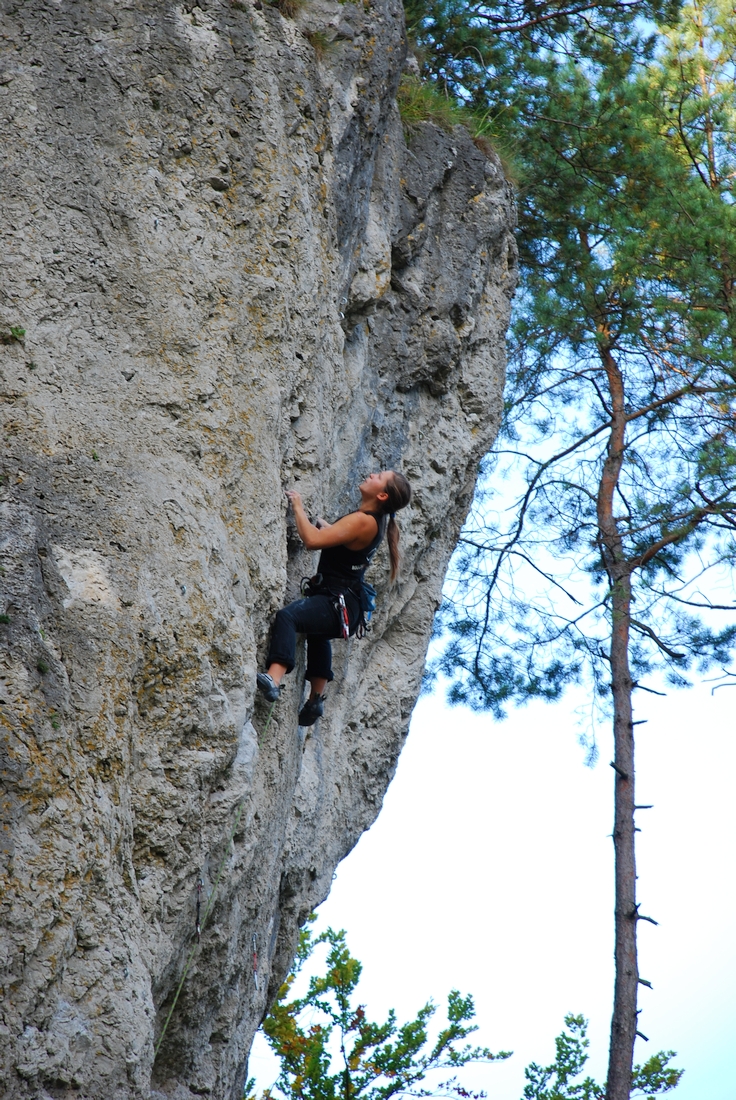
348,547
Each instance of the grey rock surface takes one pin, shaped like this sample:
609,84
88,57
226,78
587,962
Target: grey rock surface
234,276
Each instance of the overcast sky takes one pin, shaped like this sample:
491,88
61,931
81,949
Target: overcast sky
490,870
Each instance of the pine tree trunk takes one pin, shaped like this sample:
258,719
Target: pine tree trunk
613,553
623,1022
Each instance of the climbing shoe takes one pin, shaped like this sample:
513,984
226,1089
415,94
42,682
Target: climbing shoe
312,710
267,687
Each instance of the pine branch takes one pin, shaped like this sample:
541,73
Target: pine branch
673,537
644,629
707,606
496,25
669,399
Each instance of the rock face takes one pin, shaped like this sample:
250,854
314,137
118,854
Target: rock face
234,276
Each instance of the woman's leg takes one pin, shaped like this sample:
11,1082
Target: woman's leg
282,650
319,673
277,672
314,615
319,651
319,663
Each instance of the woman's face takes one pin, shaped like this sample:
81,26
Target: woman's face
376,483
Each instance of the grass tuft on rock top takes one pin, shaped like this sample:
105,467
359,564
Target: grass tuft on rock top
422,101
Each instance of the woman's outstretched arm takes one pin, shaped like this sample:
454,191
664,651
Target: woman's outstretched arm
358,527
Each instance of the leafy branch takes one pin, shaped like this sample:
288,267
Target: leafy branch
330,1050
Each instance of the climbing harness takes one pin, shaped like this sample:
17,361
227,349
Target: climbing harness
310,586
208,909
365,594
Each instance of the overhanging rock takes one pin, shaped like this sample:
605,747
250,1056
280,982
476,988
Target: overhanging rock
234,276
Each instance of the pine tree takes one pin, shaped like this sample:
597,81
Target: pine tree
620,418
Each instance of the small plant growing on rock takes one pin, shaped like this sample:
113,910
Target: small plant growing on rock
42,666
13,335
319,42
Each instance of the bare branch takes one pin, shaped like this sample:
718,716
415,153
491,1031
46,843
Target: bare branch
496,25
640,687
523,508
529,562
695,603
673,537
669,398
715,504
644,629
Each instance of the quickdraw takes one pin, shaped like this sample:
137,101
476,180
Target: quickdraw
344,619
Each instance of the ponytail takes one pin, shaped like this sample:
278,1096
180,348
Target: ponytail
399,495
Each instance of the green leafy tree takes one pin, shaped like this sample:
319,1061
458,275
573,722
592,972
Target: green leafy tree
330,1050
557,1081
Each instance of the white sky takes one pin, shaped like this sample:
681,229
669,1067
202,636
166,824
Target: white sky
490,870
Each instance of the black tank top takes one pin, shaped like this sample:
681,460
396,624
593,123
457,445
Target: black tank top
343,569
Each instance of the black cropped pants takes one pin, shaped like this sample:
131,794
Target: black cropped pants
318,618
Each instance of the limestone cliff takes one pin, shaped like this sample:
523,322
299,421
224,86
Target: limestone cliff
234,276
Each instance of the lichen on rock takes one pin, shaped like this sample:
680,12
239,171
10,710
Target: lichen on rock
235,274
